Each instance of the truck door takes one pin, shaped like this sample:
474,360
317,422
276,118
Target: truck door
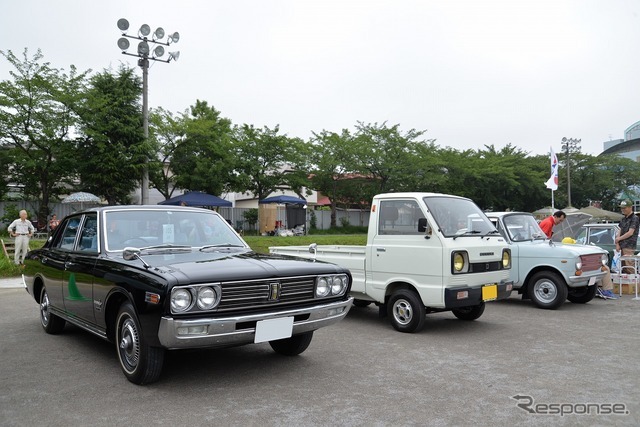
399,252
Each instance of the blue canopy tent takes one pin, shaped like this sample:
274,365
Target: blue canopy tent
296,209
196,198
284,200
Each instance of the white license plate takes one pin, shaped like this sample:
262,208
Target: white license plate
273,329
592,281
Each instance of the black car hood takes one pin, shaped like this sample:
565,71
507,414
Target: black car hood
201,267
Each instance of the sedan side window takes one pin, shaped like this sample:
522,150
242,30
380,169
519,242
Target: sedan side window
89,236
69,235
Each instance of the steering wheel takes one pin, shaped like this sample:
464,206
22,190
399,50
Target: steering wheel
135,241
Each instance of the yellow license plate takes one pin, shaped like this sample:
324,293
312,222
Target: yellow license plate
490,292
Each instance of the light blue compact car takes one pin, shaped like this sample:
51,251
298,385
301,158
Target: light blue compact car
548,272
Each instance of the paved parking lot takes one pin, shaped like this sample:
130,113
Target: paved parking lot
358,372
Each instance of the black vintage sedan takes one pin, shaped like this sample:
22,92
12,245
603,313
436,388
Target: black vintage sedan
157,278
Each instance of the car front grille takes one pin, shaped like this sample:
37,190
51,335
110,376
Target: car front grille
255,293
591,262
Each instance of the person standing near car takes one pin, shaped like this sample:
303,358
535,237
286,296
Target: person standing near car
627,236
22,230
547,224
53,222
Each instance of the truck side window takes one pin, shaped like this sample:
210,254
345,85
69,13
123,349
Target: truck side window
399,217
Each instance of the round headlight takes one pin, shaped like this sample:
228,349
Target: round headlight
338,285
180,300
578,265
207,298
322,287
458,262
605,259
506,259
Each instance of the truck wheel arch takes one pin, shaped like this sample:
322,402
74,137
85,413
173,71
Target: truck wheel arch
395,286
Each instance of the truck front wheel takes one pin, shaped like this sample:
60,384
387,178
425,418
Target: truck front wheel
469,313
406,311
547,290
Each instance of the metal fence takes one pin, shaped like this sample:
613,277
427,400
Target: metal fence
235,216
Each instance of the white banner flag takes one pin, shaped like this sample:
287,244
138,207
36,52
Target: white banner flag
552,182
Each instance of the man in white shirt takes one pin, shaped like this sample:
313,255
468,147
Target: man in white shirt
22,230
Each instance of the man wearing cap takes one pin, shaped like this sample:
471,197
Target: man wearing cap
627,236
21,229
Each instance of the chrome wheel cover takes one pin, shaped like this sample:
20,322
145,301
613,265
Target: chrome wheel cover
129,345
545,290
402,312
44,309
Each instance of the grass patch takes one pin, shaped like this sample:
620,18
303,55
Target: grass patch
7,267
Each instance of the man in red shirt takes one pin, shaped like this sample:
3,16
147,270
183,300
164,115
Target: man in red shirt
548,223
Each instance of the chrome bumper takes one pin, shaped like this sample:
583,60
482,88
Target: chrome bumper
228,331
583,280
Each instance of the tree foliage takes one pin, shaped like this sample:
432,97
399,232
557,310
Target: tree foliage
37,119
203,160
166,132
266,161
112,150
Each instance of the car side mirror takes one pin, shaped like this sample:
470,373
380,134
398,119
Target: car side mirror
423,227
129,254
313,249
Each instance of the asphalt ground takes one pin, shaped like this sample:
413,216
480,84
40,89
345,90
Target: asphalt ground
359,372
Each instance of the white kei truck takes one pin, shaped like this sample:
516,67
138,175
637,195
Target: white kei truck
425,253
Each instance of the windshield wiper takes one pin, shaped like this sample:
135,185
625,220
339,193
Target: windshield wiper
221,245
166,247
465,232
490,232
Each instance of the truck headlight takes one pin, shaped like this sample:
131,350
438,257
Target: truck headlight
181,300
605,260
506,259
460,262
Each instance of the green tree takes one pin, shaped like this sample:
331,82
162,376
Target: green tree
267,161
112,151
251,216
330,157
387,155
37,119
204,160
601,178
166,132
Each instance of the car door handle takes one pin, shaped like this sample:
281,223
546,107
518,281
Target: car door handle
381,250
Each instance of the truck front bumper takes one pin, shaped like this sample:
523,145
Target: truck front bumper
468,296
235,330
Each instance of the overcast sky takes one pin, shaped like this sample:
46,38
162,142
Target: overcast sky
470,72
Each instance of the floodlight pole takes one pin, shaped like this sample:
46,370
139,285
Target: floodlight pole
144,188
143,54
568,144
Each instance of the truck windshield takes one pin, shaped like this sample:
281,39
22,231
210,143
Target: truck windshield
458,217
